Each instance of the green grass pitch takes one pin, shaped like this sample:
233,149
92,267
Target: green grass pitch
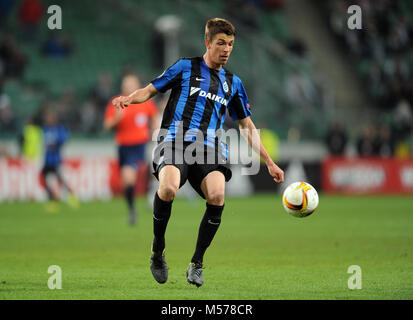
259,252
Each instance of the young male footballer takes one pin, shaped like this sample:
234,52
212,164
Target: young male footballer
202,91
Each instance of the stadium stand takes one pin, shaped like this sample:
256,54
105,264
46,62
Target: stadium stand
383,58
382,49
273,72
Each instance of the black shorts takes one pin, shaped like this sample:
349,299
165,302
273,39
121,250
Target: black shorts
168,153
50,169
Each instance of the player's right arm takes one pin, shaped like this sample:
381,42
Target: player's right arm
139,96
169,79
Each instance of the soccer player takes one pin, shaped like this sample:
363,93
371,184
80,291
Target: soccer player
55,136
132,133
202,92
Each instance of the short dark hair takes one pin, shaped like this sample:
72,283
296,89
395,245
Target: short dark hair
218,25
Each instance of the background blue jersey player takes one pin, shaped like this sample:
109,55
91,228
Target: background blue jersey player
202,91
55,136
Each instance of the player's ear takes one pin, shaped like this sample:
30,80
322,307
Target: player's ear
207,43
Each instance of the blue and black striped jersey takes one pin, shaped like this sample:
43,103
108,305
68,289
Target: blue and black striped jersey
199,99
54,138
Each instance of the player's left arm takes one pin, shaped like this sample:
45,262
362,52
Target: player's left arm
250,133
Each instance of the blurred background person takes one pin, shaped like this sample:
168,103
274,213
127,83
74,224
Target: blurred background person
7,117
12,57
133,130
5,8
90,120
271,142
30,140
4,152
102,91
55,136
57,45
365,142
336,139
30,15
384,143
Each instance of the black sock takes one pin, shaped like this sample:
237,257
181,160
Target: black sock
49,191
129,195
161,214
209,226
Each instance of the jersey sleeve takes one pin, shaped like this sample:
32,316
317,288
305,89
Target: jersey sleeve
169,78
238,106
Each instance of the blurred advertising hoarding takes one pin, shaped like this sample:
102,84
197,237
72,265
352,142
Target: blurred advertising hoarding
90,179
99,179
367,176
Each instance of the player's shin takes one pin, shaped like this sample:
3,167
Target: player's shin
207,230
161,214
129,196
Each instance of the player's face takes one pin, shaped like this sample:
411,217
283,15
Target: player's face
50,118
220,48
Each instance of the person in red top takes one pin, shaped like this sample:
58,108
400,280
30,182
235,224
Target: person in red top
133,131
30,14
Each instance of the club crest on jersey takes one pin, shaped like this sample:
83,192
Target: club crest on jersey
225,85
208,95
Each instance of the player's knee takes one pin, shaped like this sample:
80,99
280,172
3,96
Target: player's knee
216,198
168,191
129,177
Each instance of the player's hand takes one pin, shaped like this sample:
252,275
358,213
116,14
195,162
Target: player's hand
122,102
276,172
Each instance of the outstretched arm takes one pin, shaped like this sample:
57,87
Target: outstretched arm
250,133
139,96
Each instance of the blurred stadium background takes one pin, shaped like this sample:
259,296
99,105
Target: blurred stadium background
317,88
334,104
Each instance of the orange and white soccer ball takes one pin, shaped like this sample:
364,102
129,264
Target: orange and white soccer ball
300,199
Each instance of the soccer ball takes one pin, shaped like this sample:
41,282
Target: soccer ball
300,199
